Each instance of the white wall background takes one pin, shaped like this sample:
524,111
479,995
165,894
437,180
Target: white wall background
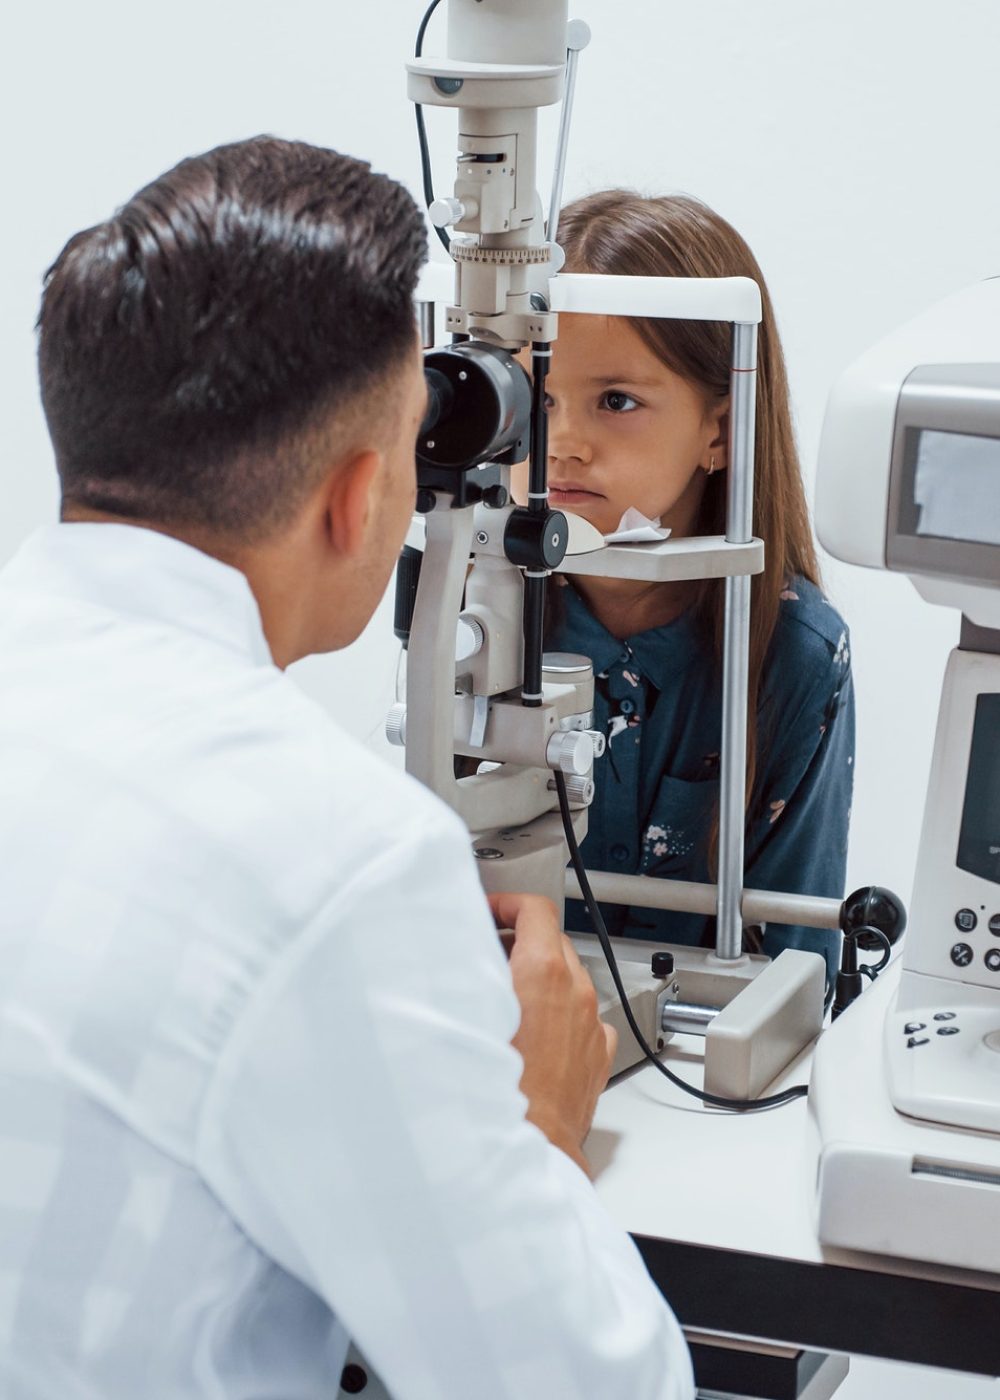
853,144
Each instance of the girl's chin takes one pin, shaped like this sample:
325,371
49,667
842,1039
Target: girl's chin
594,510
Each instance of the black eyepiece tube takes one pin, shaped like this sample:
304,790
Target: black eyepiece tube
440,398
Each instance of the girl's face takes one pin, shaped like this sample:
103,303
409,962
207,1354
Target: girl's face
624,430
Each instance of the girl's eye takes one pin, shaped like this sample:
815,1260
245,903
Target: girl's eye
617,401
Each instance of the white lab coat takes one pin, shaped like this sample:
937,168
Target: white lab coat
256,1086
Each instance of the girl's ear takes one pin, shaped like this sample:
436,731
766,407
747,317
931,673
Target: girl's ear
715,456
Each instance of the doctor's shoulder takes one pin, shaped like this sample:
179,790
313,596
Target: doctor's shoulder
342,792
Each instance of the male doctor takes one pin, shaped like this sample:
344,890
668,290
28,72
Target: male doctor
257,1086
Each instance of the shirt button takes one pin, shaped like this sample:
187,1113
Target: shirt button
619,852
627,706
625,656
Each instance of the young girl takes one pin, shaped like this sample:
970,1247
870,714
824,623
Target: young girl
638,416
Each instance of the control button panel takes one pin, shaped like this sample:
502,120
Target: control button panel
961,954
966,920
944,1072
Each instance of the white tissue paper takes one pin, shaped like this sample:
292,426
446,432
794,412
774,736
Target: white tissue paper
636,528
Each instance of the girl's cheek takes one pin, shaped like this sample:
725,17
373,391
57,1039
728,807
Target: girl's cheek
519,480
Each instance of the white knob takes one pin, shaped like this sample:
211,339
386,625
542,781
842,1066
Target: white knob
579,790
571,751
577,34
446,210
469,638
395,726
600,743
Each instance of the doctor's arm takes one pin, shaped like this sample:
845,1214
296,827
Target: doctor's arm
567,1051
367,1129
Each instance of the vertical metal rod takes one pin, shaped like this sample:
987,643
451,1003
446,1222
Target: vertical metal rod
426,314
534,628
736,644
538,449
578,37
535,581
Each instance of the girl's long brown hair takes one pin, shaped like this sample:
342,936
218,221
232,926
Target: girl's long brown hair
623,233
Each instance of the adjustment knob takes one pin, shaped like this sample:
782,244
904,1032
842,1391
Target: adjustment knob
873,907
578,34
448,210
469,638
600,742
395,726
571,751
662,963
579,789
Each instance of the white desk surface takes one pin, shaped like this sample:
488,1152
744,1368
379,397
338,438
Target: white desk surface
669,1168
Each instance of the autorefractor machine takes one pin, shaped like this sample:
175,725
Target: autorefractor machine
905,1089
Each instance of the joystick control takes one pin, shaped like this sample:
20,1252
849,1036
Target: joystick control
872,919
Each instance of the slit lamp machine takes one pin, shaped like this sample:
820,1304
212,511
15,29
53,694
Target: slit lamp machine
905,1094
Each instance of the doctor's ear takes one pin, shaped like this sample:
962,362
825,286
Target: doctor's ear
350,494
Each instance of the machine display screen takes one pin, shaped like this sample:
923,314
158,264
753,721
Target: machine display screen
956,487
979,838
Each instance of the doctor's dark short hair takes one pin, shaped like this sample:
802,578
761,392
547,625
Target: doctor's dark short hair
205,352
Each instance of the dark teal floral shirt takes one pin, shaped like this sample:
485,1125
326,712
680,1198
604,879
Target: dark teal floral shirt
659,702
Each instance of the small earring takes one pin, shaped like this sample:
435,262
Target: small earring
711,466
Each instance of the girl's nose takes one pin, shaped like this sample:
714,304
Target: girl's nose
567,440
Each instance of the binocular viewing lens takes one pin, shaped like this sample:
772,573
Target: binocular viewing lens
479,407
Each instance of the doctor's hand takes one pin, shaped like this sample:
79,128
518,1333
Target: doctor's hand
567,1051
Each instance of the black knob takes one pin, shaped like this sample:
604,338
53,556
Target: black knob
426,500
662,964
353,1379
495,497
873,907
536,540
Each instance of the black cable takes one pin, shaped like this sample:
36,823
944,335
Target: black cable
426,172
872,970
849,985
418,49
798,1091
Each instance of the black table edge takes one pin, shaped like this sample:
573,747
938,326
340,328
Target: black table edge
824,1307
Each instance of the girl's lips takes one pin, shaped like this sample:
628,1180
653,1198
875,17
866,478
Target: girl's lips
571,495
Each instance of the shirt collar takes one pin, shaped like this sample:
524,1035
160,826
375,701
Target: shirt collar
659,652
132,570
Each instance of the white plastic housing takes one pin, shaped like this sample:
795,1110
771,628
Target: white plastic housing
687,298
855,453
890,1184
941,888
508,31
